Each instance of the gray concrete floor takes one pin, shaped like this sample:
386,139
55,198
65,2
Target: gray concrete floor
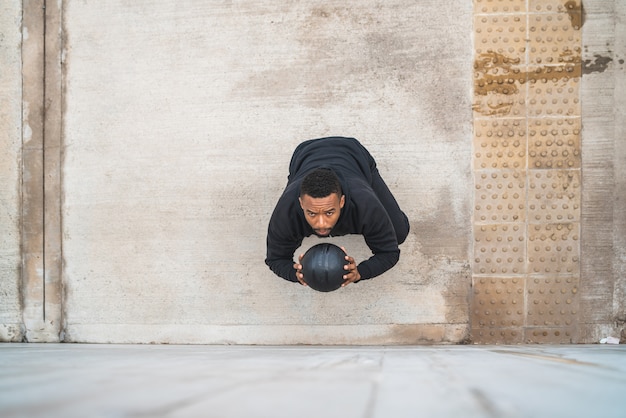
72,380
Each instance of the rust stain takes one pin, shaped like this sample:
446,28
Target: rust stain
575,11
498,74
502,108
568,56
495,73
555,73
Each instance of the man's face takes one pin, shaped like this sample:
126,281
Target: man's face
322,213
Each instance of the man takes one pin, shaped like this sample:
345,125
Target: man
334,189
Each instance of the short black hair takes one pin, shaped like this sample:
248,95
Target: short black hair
320,182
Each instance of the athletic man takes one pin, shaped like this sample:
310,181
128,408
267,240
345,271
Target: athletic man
334,189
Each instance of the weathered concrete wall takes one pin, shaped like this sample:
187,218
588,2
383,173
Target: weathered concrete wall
619,195
10,168
603,294
180,122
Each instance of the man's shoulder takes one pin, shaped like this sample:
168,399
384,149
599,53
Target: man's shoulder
289,197
286,216
359,189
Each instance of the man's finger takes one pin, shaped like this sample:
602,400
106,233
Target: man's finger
347,282
300,278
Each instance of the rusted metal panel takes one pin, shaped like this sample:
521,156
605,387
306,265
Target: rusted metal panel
527,77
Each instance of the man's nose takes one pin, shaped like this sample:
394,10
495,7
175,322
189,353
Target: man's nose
321,223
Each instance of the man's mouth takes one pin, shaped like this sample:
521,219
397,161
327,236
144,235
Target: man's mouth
322,232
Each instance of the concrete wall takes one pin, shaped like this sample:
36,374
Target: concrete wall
603,294
167,132
180,122
619,202
10,169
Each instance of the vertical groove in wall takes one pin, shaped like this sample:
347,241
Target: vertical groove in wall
43,163
52,165
527,170
32,168
41,281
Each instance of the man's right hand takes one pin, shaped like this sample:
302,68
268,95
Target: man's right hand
298,267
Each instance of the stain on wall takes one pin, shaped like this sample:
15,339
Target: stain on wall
598,65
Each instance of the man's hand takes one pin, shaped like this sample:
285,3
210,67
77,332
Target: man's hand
352,273
298,267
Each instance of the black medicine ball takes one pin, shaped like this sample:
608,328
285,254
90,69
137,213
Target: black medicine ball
322,266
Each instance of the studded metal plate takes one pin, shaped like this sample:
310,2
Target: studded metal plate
554,196
513,104
498,302
552,302
554,249
554,93
556,335
498,335
498,310
499,67
504,34
527,170
499,6
553,40
572,9
499,249
554,143
500,196
500,144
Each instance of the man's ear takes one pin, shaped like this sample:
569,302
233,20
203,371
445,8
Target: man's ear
300,200
342,201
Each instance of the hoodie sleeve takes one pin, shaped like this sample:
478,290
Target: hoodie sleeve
380,237
284,237
280,257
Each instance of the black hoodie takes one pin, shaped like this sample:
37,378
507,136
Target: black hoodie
363,213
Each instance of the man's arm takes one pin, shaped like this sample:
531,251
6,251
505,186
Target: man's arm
380,237
284,237
378,264
279,257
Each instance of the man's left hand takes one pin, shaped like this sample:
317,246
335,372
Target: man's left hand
352,273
